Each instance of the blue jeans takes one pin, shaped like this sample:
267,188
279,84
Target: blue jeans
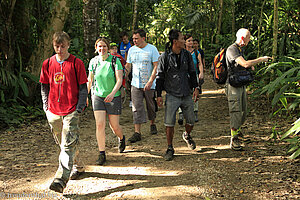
173,103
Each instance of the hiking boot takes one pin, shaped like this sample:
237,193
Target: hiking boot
101,159
122,144
189,141
243,138
75,174
196,117
135,137
57,185
180,119
169,154
153,129
235,143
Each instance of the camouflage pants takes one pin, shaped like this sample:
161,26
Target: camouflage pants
66,134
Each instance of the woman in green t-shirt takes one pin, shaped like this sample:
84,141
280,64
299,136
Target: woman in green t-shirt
105,80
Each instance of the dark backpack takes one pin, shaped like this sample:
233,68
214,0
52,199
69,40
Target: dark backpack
219,67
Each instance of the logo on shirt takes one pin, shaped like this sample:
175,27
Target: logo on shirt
59,77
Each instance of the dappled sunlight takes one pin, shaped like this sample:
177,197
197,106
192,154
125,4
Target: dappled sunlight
218,138
277,159
212,94
211,97
93,185
217,147
134,153
227,159
98,180
255,173
212,149
219,91
184,151
160,193
142,171
44,184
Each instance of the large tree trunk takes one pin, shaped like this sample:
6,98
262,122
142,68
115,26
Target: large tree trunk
45,48
90,26
22,24
134,18
275,30
8,37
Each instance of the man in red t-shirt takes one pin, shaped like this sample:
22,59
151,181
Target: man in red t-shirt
64,92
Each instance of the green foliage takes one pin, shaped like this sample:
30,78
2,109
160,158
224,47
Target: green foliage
294,140
74,27
280,82
115,16
12,113
275,135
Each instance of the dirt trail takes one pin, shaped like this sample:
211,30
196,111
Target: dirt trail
212,171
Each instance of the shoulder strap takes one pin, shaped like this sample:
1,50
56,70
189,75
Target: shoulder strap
238,47
76,72
113,63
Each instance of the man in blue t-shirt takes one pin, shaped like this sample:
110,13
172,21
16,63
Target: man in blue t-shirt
123,49
142,60
124,45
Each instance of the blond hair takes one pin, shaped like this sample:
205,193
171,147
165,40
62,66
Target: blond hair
103,40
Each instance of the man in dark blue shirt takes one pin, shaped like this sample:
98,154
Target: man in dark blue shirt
123,49
177,76
124,45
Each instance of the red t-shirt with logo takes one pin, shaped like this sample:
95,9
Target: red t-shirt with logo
64,87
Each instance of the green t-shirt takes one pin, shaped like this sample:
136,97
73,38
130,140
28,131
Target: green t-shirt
104,76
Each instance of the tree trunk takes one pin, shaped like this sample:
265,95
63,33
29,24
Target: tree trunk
22,24
90,26
219,21
10,55
134,18
211,19
275,31
45,48
259,27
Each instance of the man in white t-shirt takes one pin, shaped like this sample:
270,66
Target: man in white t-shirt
142,60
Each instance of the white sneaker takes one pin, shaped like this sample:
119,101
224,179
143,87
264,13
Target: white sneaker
130,104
